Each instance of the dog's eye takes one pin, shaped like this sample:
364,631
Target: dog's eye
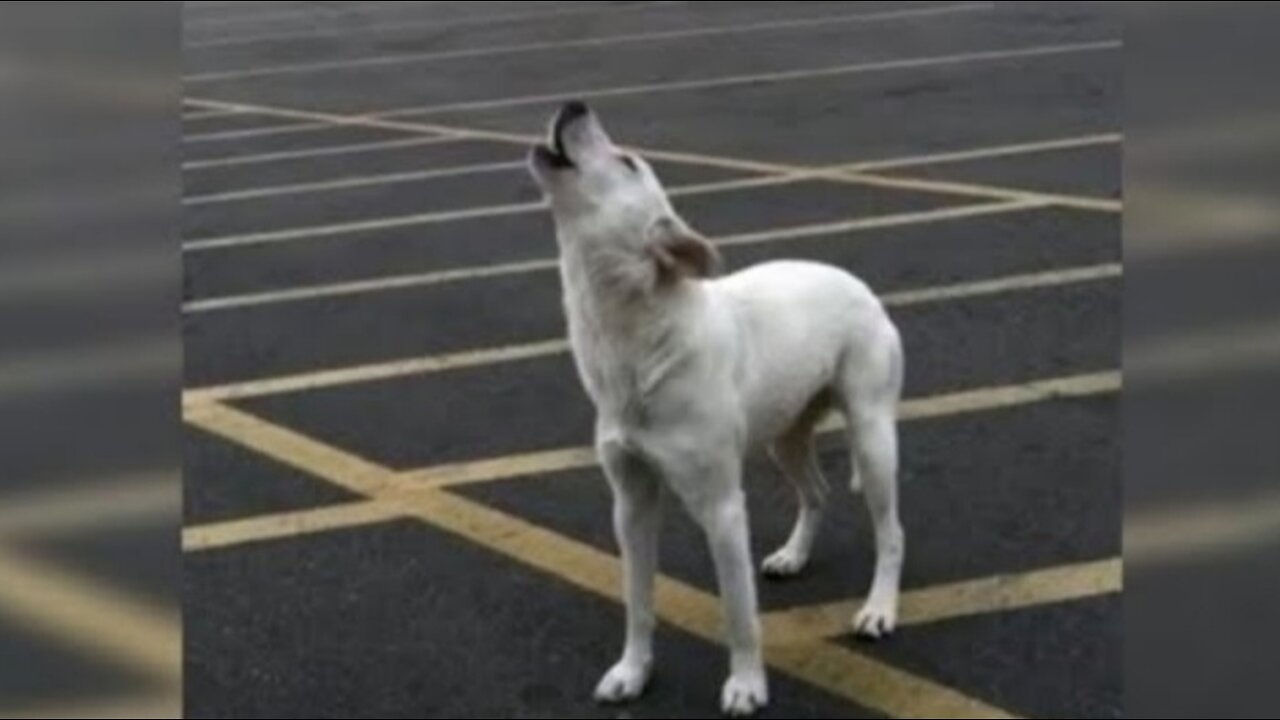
630,162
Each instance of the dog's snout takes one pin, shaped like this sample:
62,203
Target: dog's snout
570,113
573,110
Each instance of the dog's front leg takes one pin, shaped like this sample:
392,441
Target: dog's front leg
636,517
713,494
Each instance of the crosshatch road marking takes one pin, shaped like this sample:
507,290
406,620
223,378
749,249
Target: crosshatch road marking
845,175
950,187
328,463
328,150
279,526
780,76
340,183
370,372
307,454
849,674
90,616
999,593
440,277
599,41
856,677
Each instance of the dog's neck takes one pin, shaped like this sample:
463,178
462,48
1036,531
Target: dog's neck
626,327
617,286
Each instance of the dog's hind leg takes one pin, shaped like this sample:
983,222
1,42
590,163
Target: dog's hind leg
796,459
870,394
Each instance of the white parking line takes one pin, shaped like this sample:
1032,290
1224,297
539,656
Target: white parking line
556,346
441,277
255,132
283,155
431,218
436,24
781,76
352,182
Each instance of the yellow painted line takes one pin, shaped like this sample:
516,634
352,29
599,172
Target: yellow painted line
435,24
863,680
356,287
919,217
507,467
848,674
279,443
434,218
996,151
781,76
104,502
999,593
330,150
1006,396
1205,529
280,526
921,408
373,371
370,372
255,132
592,42
419,128
1010,283
159,707
440,277
91,617
876,685
949,187
347,183
397,486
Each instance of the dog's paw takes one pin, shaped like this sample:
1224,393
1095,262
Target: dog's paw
784,563
744,693
877,619
624,681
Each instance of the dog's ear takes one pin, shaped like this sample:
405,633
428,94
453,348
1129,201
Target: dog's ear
679,250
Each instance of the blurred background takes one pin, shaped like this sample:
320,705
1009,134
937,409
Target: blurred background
1202,311
90,365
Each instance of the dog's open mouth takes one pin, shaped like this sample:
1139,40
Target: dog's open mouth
553,152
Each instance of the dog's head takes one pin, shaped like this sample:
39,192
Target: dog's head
600,193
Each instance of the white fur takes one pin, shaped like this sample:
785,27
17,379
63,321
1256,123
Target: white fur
690,374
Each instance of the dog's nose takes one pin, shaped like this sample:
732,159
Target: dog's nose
574,109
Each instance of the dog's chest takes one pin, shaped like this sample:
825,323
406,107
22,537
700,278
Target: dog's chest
624,372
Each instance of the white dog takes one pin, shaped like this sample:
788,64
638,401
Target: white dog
689,373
